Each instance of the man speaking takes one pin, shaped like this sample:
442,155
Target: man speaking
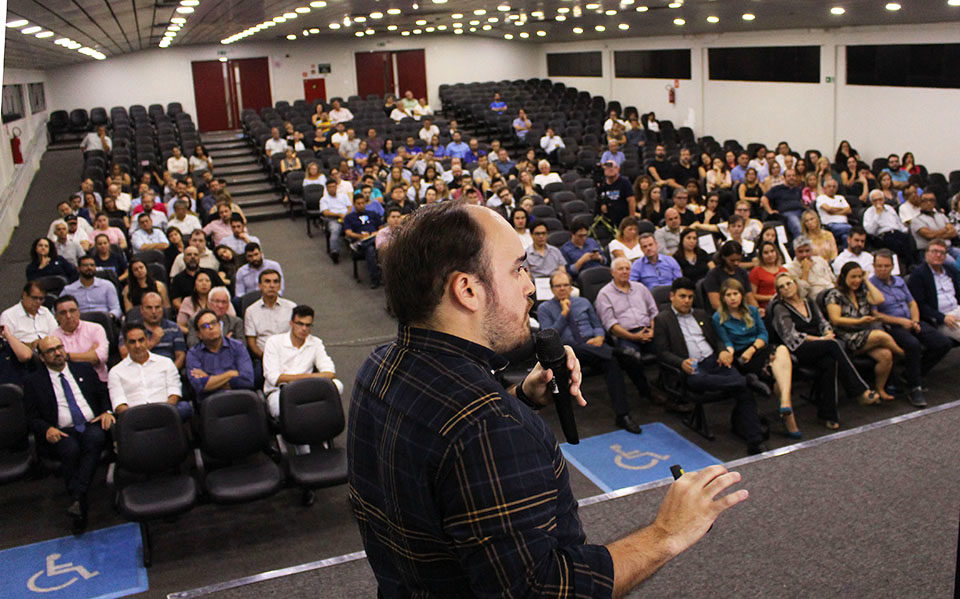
458,487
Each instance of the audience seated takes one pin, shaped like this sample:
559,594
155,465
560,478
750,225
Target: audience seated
582,251
882,222
208,260
577,323
64,209
360,227
83,341
685,342
855,252
139,282
218,300
217,362
146,237
693,260
542,259
184,221
654,269
833,210
164,337
728,267
182,285
668,236
144,377
29,320
763,275
812,273
68,411
615,197
67,248
932,224
934,285
44,262
248,276
334,205
785,201
823,242
626,244
269,315
94,294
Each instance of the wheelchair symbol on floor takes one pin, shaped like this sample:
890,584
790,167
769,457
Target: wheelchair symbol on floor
54,569
622,456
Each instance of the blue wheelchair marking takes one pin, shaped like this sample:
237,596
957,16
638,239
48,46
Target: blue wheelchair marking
620,459
96,565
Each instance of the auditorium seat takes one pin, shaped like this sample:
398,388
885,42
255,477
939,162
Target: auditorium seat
16,451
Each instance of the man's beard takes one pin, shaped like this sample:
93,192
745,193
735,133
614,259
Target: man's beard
502,336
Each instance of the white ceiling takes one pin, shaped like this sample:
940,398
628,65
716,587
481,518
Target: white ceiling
120,26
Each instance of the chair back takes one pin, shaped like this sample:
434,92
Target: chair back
150,439
13,417
52,284
591,281
248,299
234,424
310,411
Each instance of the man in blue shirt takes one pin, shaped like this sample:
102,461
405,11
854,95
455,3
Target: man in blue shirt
654,269
216,363
146,237
900,176
579,327
456,148
504,164
360,227
498,105
581,252
613,153
786,201
923,344
739,172
93,294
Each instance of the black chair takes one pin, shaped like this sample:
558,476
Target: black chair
543,211
311,414
79,121
105,320
150,257
592,280
59,123
311,205
152,446
661,295
558,238
553,224
234,433
16,453
158,271
247,300
52,284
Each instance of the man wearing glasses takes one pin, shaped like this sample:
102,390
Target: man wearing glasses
217,363
66,406
935,288
29,320
542,258
293,356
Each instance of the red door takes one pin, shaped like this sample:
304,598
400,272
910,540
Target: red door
315,89
254,82
210,95
374,73
412,72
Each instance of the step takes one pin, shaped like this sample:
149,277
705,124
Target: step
245,151
257,176
250,188
261,213
259,199
239,169
220,146
214,136
235,161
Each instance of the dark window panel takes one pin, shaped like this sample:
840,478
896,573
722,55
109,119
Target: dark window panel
789,64
575,64
904,65
652,64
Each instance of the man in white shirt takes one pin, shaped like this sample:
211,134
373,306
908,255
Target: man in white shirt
29,320
64,210
198,239
551,142
348,147
855,252
275,144
881,221
144,377
121,198
293,356
833,210
428,131
97,140
339,114
339,136
239,237
69,250
269,315
334,205
185,222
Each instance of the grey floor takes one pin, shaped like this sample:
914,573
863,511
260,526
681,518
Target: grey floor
213,543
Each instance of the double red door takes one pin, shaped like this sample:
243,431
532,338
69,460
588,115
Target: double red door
223,89
394,73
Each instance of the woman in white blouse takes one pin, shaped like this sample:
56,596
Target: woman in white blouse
627,243
519,219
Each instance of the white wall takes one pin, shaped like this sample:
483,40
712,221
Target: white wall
161,76
876,120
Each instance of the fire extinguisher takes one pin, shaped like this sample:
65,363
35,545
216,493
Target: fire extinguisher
15,146
671,94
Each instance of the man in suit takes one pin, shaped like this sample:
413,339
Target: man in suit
934,286
67,408
687,342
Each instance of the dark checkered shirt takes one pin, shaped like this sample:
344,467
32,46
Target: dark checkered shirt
459,489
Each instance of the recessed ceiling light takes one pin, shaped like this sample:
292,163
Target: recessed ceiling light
892,6
279,19
178,20
487,27
642,8
713,19
417,31
291,37
439,1
474,22
269,24
504,8
541,33
592,6
953,2
457,15
185,10
473,30
563,10
170,34
430,29
358,33
376,15
480,12
537,14
610,12
334,25
394,11
346,21
302,10
45,34
600,28
458,32
508,36
369,31
577,30
524,34
421,21
837,10
675,5
623,26
561,18
318,4
493,20
17,23
441,27
289,15
30,30
748,16
174,28
678,22
189,2
457,24
391,27
360,19
404,33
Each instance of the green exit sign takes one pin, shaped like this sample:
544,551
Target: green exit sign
829,79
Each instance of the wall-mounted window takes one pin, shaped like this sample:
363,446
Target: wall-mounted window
575,64
904,65
11,106
652,64
38,101
789,64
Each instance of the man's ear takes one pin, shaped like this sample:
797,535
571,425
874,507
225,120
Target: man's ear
464,290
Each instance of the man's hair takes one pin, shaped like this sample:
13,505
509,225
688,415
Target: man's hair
736,219
646,235
142,214
253,245
269,271
535,225
64,299
301,310
434,242
883,253
801,240
82,258
30,285
682,283
893,156
576,225
857,230
132,326
391,210
104,235
937,242
218,289
201,314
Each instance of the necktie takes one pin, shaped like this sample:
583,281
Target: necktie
79,421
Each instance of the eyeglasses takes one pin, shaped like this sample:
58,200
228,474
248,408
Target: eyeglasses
937,252
209,325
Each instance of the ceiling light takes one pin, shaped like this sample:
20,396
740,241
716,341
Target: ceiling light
457,24
417,31
675,5
270,24
318,4
561,18
404,33
600,28
305,32
713,19
189,2
393,11
537,14
334,25
314,30
458,31
678,21
421,21
302,10
504,8
892,6
592,6
487,27
541,33
391,27
493,20
358,33
524,34
185,10
474,22
430,29
178,20
508,36
439,1
289,15
837,10
369,31
174,28
953,2
30,30
222,59
457,15
279,19
170,34
563,10
45,34
748,16
480,12
376,15
623,26
642,8
610,12
577,30
360,19
346,21
17,23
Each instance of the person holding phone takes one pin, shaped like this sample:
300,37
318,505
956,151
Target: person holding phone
582,251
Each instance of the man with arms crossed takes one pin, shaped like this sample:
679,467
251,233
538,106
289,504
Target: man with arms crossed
427,407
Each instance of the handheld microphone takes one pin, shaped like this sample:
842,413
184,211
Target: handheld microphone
551,354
